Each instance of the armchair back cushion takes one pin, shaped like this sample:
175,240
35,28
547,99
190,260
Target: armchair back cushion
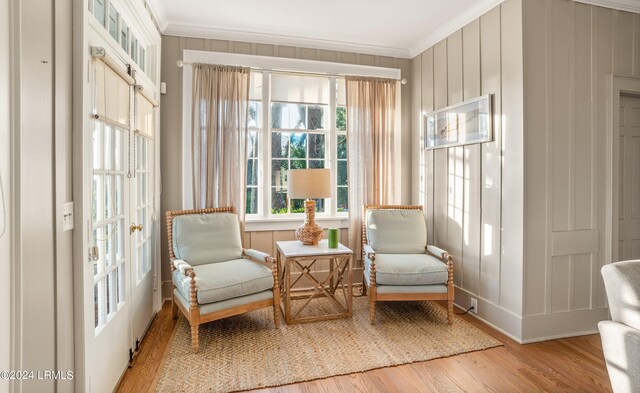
396,231
206,238
622,283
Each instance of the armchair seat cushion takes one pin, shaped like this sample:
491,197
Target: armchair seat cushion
220,281
408,269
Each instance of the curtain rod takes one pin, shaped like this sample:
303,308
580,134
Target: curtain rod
181,64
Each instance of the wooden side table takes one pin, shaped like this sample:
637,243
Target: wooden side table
294,257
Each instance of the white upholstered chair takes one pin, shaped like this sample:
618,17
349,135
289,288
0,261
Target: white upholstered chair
398,263
621,336
213,276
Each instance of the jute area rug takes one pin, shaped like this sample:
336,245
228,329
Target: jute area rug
245,352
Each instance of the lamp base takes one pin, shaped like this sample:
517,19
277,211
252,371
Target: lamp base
309,233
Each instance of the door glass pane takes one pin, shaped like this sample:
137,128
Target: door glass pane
96,302
118,240
118,148
97,265
97,200
97,141
113,298
118,194
109,288
108,201
108,246
101,301
121,289
108,147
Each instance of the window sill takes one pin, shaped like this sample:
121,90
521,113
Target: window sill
289,224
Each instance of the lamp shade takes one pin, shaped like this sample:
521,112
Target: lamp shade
308,183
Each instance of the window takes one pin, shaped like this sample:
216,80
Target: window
342,191
302,127
109,17
113,22
142,62
253,153
134,49
124,36
99,11
298,141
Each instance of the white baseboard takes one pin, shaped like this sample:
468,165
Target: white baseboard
498,318
562,324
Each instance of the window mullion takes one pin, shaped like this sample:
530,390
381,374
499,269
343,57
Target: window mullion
264,184
332,141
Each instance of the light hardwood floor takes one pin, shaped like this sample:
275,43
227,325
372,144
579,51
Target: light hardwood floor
566,365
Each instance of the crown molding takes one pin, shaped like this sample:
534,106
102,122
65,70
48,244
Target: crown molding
453,25
622,5
263,37
199,31
159,14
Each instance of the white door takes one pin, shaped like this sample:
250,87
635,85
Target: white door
142,230
629,205
108,342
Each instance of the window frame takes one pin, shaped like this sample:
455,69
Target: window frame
265,158
264,64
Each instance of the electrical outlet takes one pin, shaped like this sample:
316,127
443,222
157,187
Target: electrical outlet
474,304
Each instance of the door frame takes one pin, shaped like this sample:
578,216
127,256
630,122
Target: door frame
84,37
617,85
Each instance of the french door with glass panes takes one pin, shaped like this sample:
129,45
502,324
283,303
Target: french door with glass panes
122,227
108,343
143,216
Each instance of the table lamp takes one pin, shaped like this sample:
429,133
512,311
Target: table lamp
309,184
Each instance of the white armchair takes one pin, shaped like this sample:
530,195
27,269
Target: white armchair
398,263
621,336
213,276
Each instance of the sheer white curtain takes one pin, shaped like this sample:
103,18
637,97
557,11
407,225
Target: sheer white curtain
371,119
219,119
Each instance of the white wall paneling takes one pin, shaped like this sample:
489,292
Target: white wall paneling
5,193
569,50
41,283
469,208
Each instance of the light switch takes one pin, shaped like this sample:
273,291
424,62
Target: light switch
67,217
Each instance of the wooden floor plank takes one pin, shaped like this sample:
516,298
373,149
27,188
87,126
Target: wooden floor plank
567,365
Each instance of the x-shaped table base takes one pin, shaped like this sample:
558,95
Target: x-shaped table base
295,270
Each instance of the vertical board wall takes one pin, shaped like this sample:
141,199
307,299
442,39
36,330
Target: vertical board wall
570,48
5,171
473,195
